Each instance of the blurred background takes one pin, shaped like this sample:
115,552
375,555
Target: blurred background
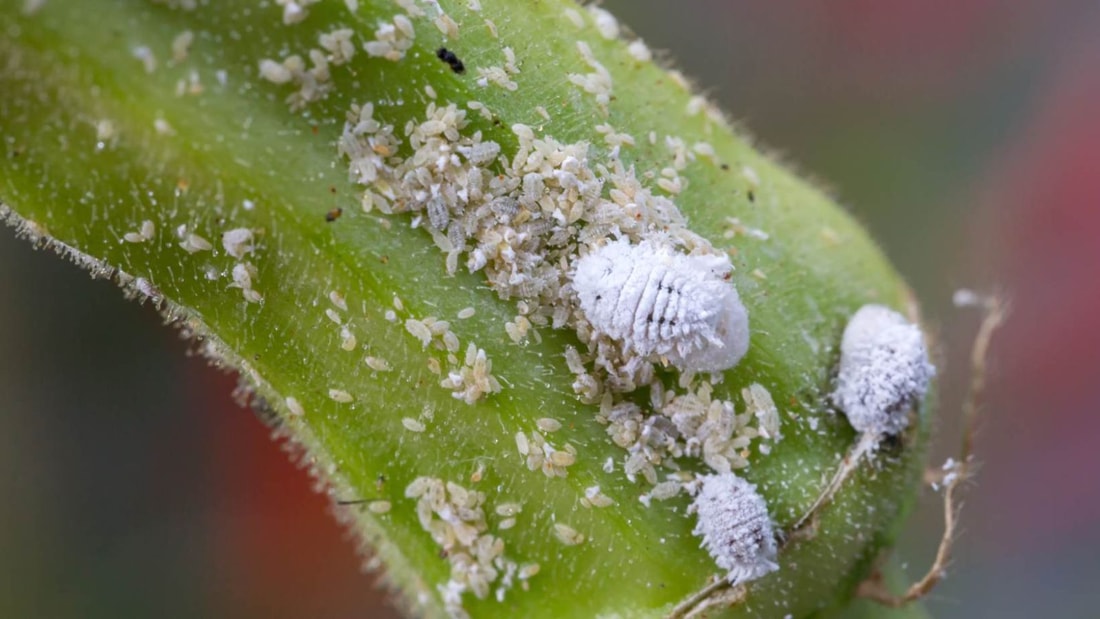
964,133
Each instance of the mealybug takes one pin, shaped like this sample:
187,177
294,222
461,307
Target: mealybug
884,373
656,300
884,370
735,527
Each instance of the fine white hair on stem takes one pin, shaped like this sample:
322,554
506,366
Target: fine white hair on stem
735,526
884,373
656,300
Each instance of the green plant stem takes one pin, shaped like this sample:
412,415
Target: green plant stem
236,156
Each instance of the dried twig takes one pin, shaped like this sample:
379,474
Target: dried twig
848,465
717,593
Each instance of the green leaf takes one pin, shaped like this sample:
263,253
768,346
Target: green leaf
110,119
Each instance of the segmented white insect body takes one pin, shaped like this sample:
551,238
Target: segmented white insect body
735,527
657,300
884,370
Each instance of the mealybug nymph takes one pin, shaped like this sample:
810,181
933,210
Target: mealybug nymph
735,527
656,300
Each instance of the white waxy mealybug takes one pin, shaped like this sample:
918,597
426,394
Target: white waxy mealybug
884,373
735,527
884,370
657,300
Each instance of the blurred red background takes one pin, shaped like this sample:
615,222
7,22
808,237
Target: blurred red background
965,134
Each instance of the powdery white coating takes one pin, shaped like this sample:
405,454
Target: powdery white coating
656,300
735,527
884,370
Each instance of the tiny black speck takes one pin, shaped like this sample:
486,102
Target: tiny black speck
451,59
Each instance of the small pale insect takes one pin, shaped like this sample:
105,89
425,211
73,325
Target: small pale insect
568,535
656,300
736,529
